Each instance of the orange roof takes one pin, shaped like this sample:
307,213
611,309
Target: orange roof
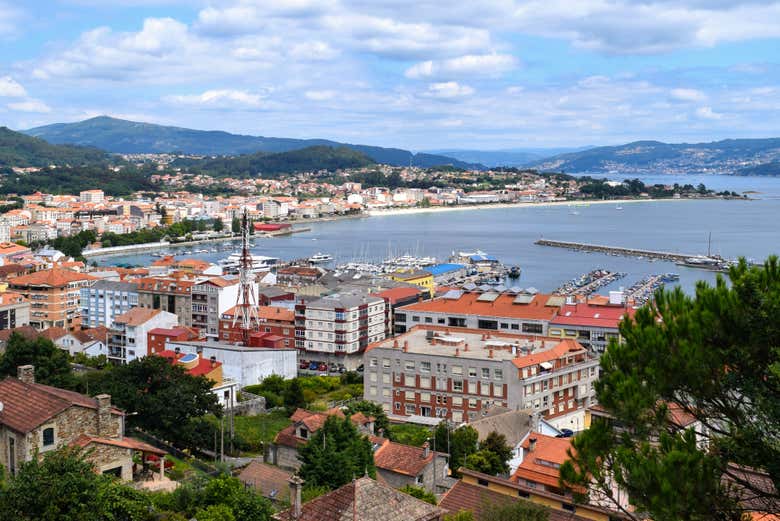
268,313
125,443
542,464
393,295
503,306
9,248
55,277
401,459
136,316
11,297
565,347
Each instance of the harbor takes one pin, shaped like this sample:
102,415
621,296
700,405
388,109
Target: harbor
589,283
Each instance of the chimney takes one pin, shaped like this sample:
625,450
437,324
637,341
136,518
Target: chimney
104,415
490,353
213,361
296,484
466,346
531,444
26,374
395,343
426,450
406,346
457,351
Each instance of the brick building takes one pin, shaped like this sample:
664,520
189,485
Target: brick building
433,371
156,338
54,296
276,327
590,324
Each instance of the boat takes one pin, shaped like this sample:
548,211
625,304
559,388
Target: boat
514,272
319,258
260,263
618,207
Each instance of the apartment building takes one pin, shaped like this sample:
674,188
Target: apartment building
170,293
104,300
14,310
91,196
275,327
210,298
590,324
128,339
54,296
509,312
434,371
338,328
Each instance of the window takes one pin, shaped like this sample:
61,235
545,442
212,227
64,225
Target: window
425,367
498,374
397,405
472,387
304,433
409,365
487,324
515,326
425,397
485,372
428,320
415,318
372,377
386,378
410,408
457,369
385,362
419,480
504,325
472,372
48,436
441,321
457,386
473,403
457,401
425,382
372,390
372,362
532,328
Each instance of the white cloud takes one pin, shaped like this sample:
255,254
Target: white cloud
10,88
320,95
687,95
448,90
30,105
708,113
467,65
224,98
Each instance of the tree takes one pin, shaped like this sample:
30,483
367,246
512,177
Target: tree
712,358
215,513
293,396
458,443
462,515
486,462
381,422
51,362
336,454
495,444
519,510
217,225
420,493
235,226
164,395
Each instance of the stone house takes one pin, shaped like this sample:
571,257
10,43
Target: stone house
36,418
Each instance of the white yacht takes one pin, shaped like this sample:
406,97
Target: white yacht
260,263
319,258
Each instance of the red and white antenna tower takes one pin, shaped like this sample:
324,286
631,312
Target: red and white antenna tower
246,312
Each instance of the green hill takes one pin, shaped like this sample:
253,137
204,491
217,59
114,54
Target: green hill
268,165
20,150
130,137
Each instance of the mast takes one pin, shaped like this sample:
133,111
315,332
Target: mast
246,314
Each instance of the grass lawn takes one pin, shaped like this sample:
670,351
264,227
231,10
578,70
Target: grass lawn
263,427
410,434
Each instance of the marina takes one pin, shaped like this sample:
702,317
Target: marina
589,283
642,291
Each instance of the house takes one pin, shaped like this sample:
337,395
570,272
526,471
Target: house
157,338
38,418
363,499
284,450
128,337
92,342
53,295
400,465
541,459
268,480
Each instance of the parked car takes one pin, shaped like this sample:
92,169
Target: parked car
323,367
304,364
313,366
565,433
360,368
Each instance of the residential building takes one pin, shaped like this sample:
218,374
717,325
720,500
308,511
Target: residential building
268,480
524,313
210,299
170,293
91,196
541,459
420,278
53,295
38,418
245,365
92,342
435,372
274,324
129,336
157,338
14,310
106,299
225,389
395,298
591,325
363,499
339,327
298,275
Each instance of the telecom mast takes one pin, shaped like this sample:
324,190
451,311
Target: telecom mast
246,313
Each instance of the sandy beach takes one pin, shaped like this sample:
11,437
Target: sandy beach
493,206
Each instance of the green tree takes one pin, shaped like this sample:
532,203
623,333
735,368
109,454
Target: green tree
164,396
235,225
293,396
215,513
514,511
51,363
712,358
458,443
381,422
217,225
494,444
486,462
462,515
419,493
336,454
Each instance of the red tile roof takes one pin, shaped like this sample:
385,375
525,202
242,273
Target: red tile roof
125,443
503,306
26,406
266,479
136,316
401,459
593,316
549,450
565,347
393,295
55,278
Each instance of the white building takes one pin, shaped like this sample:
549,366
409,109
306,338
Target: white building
91,196
245,365
128,338
106,300
211,298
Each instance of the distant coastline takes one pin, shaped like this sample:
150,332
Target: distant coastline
489,206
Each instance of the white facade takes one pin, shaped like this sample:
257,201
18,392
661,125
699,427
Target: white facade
209,301
344,325
245,365
128,342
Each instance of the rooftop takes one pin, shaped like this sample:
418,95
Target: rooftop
476,344
506,305
583,314
541,465
136,316
54,277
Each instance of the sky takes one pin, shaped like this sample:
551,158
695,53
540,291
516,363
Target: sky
416,74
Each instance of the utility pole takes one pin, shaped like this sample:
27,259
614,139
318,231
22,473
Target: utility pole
222,439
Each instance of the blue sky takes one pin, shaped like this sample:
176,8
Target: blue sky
418,74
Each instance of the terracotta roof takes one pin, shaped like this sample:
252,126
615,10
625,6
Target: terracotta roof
11,297
270,481
401,459
99,333
560,350
136,316
313,421
503,306
475,498
125,443
592,315
26,406
28,332
54,333
393,295
365,500
54,277
548,450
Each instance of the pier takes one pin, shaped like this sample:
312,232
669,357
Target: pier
615,250
588,283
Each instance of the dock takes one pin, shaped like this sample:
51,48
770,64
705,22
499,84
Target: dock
616,250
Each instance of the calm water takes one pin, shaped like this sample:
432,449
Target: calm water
739,228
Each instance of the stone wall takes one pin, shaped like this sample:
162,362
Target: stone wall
107,457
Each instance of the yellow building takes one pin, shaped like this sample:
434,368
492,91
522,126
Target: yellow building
420,278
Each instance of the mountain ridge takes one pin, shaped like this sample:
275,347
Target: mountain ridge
133,137
21,150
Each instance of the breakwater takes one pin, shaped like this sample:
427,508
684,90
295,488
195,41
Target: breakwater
616,250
